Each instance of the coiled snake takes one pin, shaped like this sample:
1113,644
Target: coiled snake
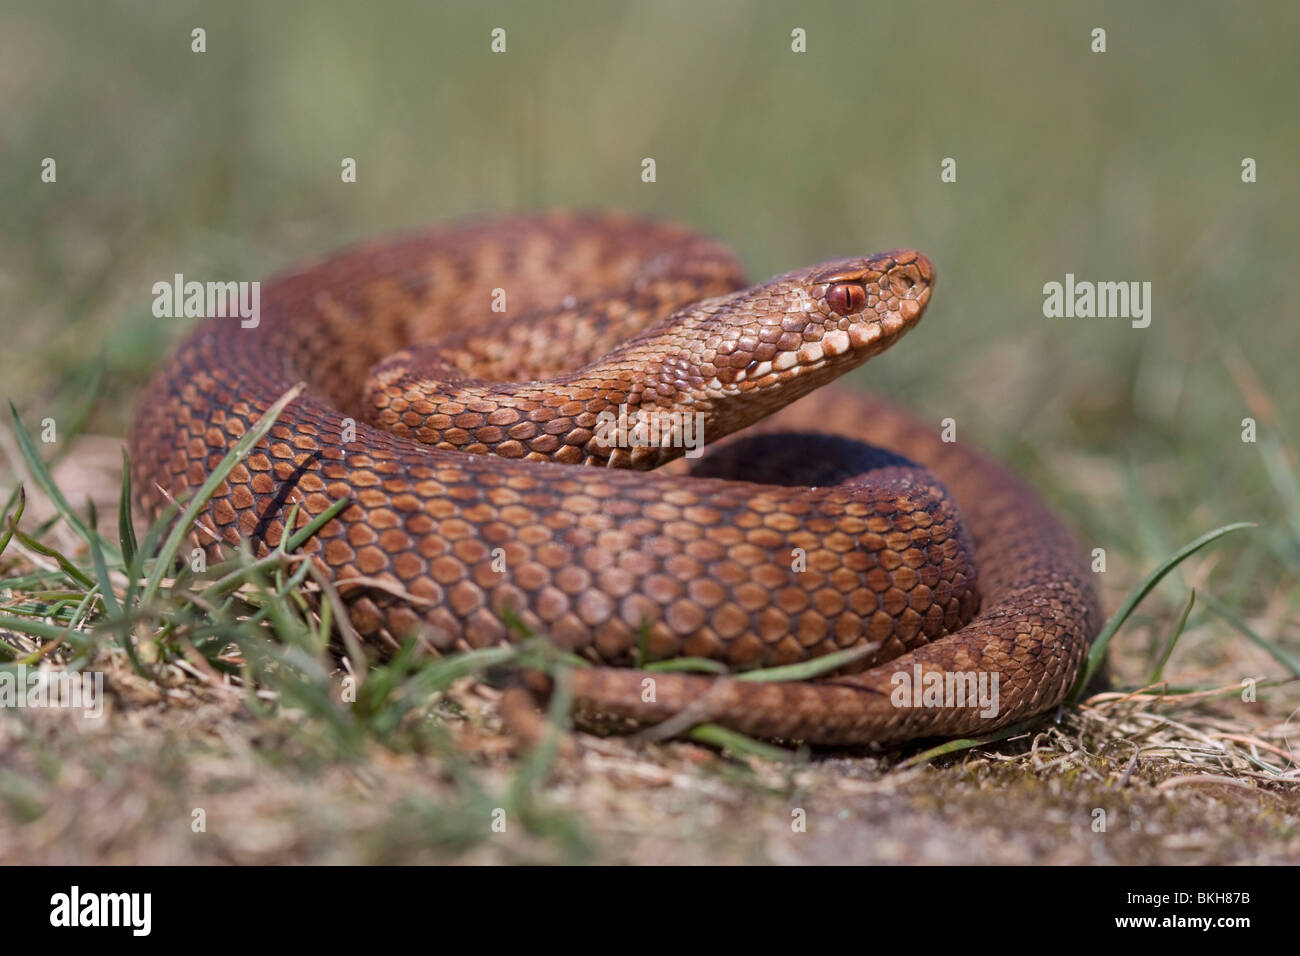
448,359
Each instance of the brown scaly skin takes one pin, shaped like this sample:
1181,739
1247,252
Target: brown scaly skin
702,562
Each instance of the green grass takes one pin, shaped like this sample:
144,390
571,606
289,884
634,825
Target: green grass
251,618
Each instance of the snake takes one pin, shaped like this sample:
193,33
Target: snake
592,427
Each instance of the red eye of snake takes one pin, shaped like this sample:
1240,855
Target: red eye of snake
845,298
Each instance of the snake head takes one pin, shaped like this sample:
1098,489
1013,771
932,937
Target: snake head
809,326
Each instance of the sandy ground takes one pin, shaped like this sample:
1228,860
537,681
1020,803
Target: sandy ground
183,774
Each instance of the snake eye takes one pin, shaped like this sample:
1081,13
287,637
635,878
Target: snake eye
845,298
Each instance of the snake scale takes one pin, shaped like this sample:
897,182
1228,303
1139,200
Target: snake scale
460,385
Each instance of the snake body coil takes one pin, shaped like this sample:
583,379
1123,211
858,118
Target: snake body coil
478,372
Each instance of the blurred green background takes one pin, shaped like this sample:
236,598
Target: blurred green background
1124,165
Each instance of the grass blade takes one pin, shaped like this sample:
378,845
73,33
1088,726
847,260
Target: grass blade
41,475
51,632
1098,652
808,669
13,521
154,534
966,743
125,527
105,583
695,664
301,537
1174,635
724,739
65,565
1279,654
236,454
